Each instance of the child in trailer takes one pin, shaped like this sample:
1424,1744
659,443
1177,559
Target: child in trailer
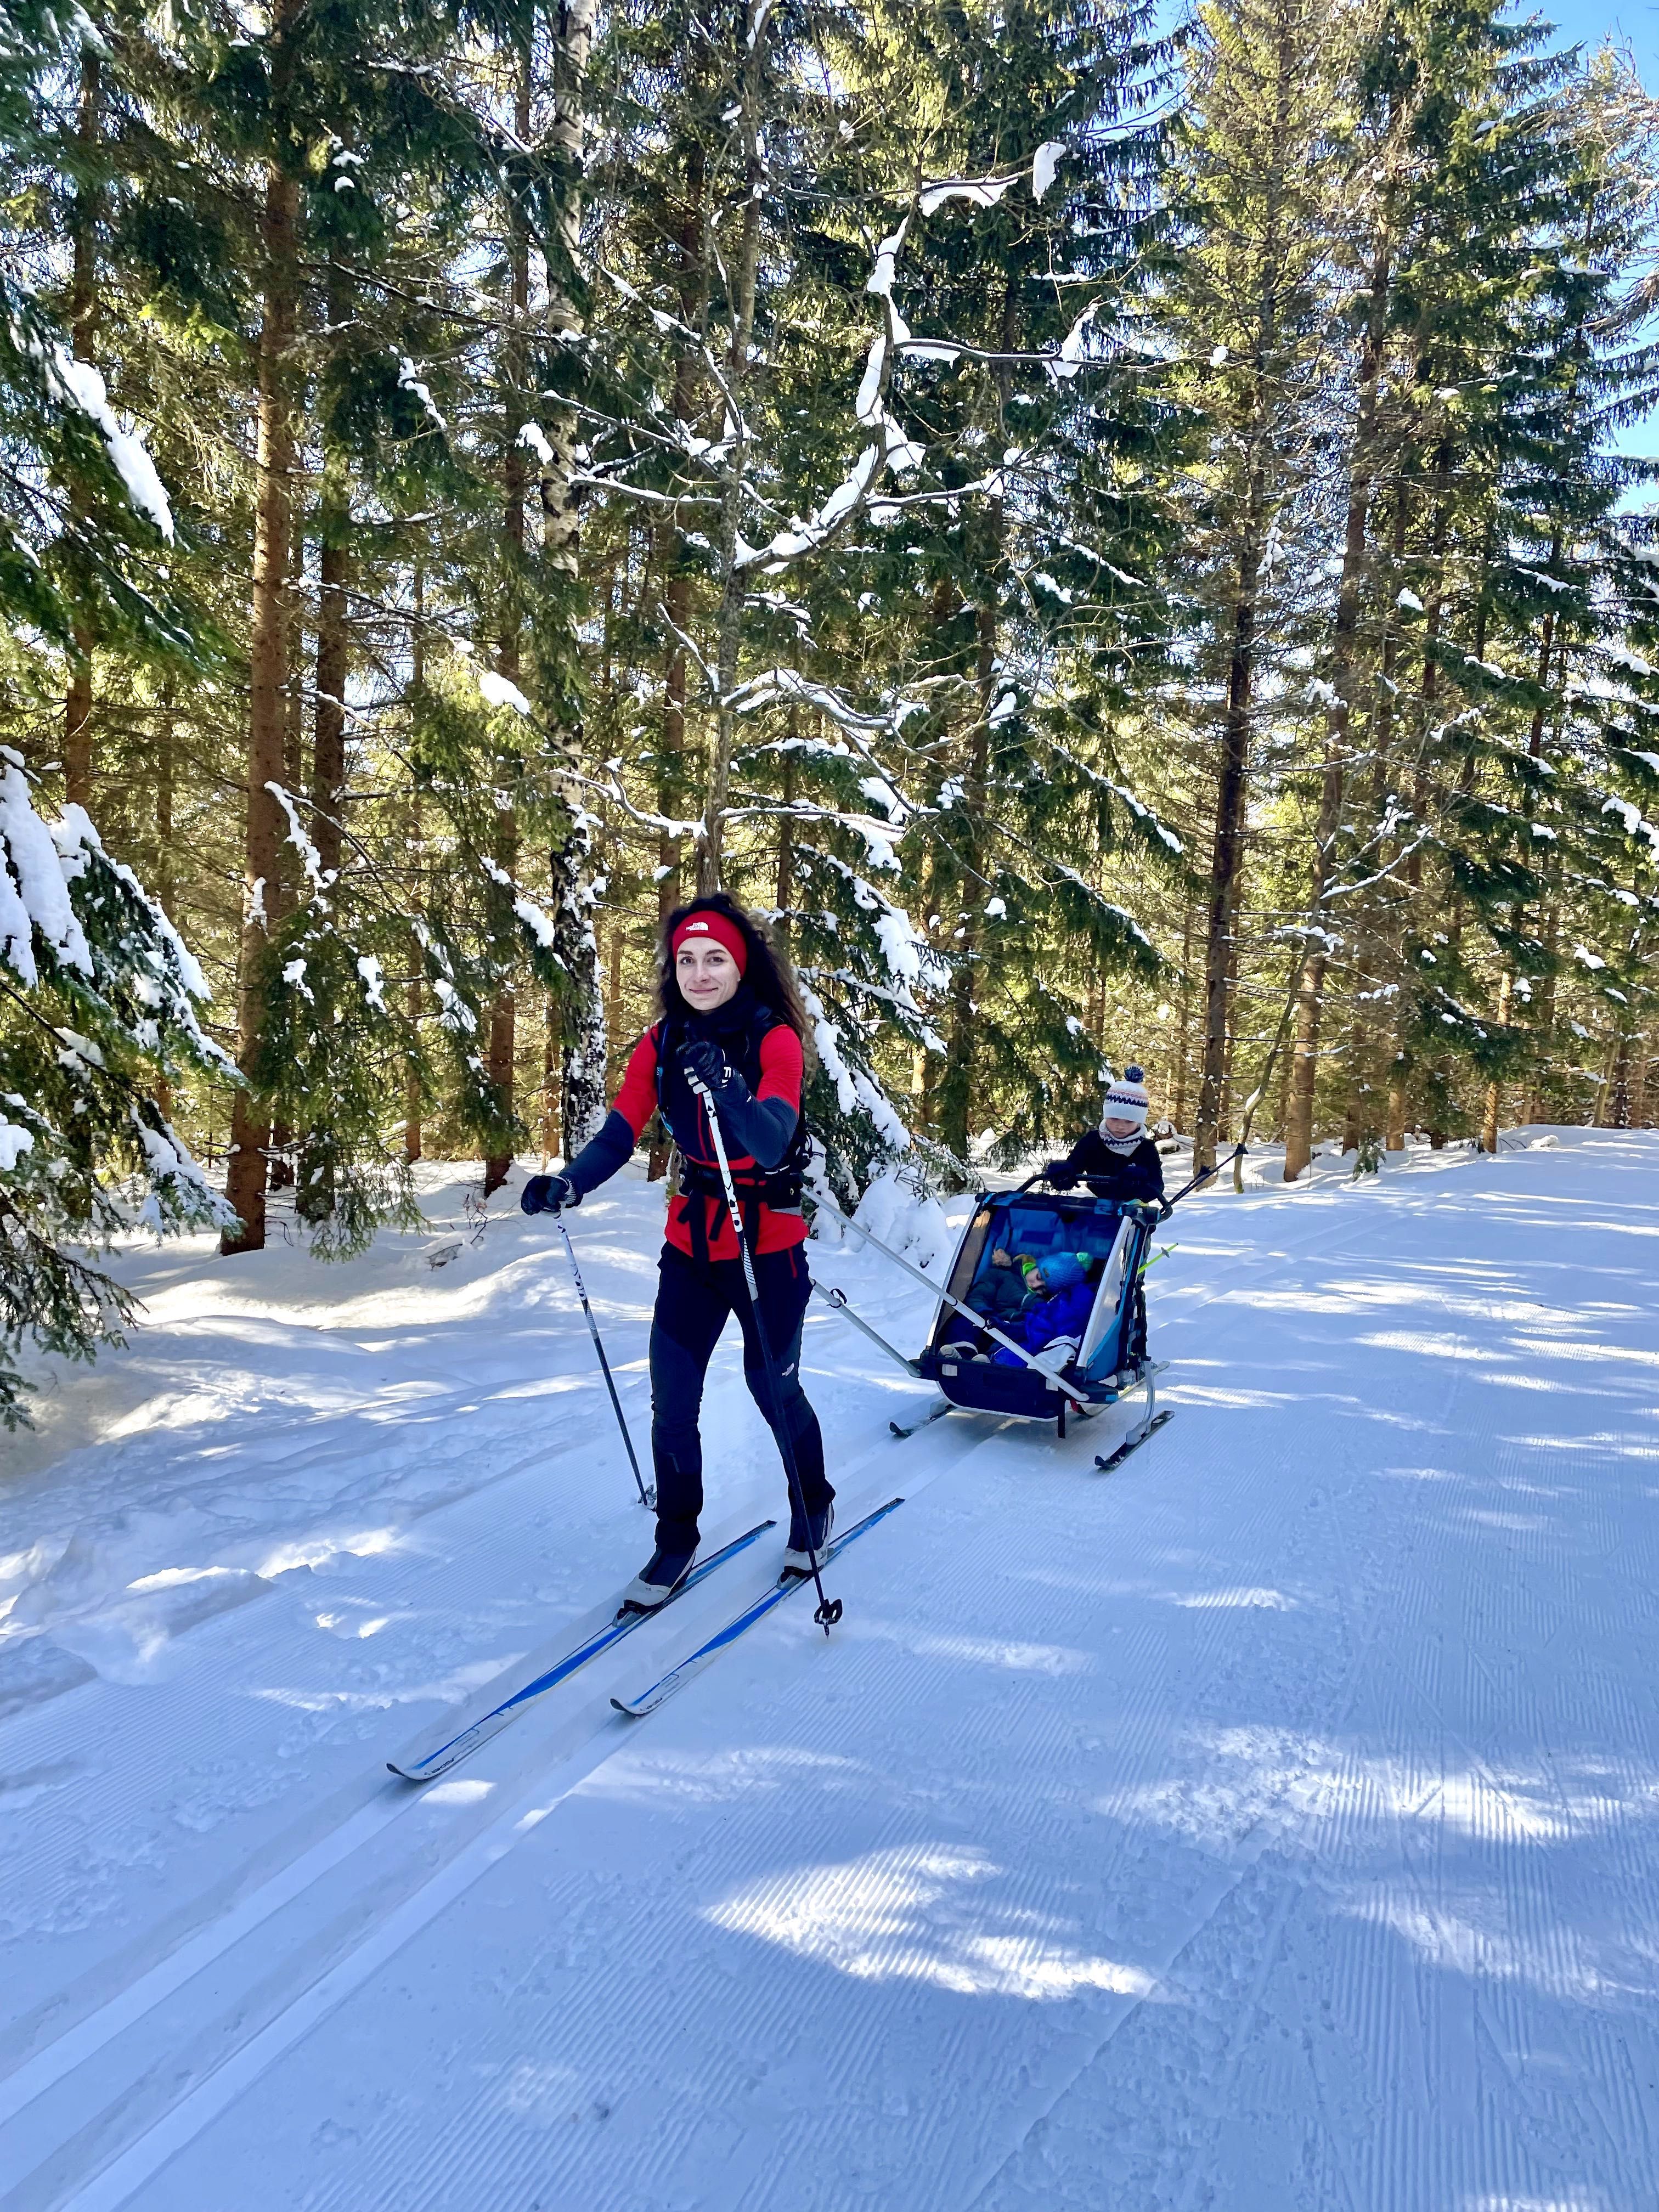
1056,1312
732,1017
1118,1159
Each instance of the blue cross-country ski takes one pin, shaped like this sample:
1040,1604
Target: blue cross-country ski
621,1624
677,1677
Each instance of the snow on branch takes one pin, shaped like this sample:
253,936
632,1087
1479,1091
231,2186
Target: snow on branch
33,885
536,922
79,384
978,192
909,959
609,787
772,686
310,859
854,1091
498,690
1045,164
877,835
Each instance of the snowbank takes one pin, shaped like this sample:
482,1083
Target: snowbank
912,1224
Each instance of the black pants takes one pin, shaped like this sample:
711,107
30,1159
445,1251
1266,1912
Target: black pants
693,1302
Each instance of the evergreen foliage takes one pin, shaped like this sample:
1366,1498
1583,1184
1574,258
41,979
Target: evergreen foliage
1122,546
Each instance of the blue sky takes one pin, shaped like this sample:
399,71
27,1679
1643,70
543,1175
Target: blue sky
1636,25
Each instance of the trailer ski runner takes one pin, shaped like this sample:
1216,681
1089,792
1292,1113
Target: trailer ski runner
677,1677
623,1623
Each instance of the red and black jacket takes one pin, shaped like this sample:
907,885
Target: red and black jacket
761,1120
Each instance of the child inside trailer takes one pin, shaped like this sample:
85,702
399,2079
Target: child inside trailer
1057,1298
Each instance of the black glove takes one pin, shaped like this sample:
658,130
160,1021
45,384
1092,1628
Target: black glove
1057,1173
701,1057
549,1193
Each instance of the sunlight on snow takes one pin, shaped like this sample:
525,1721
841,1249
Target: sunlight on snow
713,1777
1270,1600
1555,1347
1508,2204
1427,1347
541,2090
986,1651
452,1690
905,1915
342,1624
457,1793
318,1551
1213,1394
1240,1774
1460,1946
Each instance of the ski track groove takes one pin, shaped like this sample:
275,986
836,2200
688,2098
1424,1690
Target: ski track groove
207,2089
50,1869
1403,1663
578,2028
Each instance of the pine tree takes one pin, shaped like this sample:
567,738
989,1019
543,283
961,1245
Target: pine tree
1259,176
99,1004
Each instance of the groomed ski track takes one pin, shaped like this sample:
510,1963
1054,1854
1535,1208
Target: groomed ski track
1273,1822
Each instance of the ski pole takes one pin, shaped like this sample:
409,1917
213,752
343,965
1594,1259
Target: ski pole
838,1299
1170,1204
830,1609
648,1497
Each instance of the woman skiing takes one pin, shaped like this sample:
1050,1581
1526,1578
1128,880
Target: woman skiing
732,1019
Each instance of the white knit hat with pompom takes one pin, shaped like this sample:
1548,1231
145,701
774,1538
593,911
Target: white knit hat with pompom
1126,1099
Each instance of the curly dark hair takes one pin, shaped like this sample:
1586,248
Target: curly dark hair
766,971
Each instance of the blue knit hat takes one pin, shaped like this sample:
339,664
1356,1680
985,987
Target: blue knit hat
1060,1270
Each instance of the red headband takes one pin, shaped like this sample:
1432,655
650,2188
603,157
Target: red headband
711,924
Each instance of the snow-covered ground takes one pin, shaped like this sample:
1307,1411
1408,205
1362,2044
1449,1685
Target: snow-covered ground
1272,1824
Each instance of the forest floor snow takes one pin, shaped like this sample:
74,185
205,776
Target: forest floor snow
1273,1823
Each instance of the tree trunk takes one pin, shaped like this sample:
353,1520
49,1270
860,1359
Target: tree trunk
956,1085
334,565
1230,1041
1495,1088
1344,640
677,593
412,1099
1256,429
1365,1033
584,1095
291,885
164,877
1619,1104
734,587
784,894
1399,1070
83,310
1227,851
550,1028
502,1050
618,934
1178,1108
250,1130
1638,1105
